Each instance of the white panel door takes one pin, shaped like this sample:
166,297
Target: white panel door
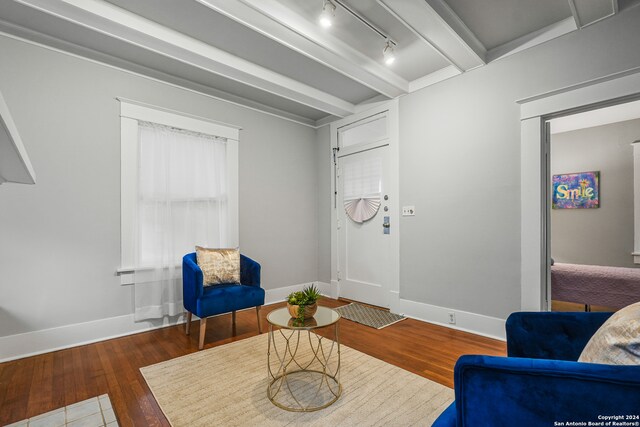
364,249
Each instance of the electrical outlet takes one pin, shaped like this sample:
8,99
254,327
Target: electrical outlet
408,210
452,318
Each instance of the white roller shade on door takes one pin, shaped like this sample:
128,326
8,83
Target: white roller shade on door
362,188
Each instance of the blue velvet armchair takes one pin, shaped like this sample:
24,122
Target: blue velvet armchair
206,301
541,381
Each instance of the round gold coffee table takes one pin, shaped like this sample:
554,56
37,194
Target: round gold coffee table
303,367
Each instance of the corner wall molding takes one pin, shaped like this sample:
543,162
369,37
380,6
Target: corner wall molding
145,73
133,29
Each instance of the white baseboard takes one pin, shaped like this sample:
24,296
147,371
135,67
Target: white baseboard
335,289
478,324
328,289
279,294
37,342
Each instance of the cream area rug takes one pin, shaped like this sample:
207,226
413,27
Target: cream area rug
226,386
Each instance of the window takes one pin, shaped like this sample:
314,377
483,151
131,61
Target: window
182,193
370,130
179,188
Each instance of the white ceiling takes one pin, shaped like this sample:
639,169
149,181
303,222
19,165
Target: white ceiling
516,19
198,21
273,55
423,58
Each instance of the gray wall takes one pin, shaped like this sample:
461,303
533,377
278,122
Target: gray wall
60,239
325,209
460,166
602,236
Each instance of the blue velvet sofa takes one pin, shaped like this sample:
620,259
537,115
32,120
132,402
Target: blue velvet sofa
206,301
541,382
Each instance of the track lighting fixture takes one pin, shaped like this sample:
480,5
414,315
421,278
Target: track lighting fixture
388,54
328,12
326,20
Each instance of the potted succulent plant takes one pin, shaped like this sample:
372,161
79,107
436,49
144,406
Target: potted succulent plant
302,304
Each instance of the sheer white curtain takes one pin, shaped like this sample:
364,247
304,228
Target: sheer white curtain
182,202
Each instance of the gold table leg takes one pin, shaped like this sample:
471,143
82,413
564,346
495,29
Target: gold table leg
288,367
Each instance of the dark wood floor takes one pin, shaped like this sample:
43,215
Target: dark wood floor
38,384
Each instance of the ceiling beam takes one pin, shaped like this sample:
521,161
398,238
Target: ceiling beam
435,23
15,165
45,41
113,21
542,35
274,20
433,78
574,13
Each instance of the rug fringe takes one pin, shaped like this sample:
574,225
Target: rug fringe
392,323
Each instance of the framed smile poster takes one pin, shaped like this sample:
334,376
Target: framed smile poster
576,190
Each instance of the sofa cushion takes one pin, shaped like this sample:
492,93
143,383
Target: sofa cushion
617,342
219,265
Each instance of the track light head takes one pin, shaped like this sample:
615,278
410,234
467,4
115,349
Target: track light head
388,53
328,12
326,20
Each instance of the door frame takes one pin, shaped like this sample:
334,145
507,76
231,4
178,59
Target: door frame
535,112
391,107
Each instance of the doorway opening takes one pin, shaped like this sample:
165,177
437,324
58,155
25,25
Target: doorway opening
365,231
591,208
535,195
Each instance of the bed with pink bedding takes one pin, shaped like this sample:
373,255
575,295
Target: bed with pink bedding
595,284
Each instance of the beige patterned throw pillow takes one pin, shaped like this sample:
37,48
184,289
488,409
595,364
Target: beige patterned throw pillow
617,342
219,265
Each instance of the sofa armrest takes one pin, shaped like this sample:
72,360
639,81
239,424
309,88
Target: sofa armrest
192,282
496,391
447,418
551,335
249,271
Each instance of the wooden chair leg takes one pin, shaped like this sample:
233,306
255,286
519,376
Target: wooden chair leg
258,314
203,331
233,322
188,325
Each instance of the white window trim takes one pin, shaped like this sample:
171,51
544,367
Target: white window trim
130,113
